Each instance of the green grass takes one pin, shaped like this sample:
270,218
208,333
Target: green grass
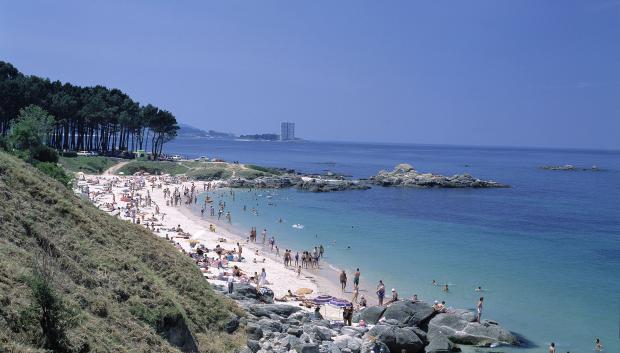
88,165
117,282
265,170
153,167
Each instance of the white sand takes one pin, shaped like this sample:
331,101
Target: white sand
280,279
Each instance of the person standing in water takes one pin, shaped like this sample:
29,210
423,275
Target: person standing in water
552,348
356,279
380,292
479,309
343,280
598,346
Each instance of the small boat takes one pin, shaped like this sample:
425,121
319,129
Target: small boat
298,226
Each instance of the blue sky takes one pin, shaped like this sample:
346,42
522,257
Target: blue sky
511,73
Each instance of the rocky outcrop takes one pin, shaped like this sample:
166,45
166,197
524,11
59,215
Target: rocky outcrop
312,184
570,168
459,330
404,325
405,175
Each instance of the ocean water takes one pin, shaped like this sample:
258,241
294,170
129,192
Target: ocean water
546,251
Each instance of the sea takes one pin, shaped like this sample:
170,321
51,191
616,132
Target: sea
545,251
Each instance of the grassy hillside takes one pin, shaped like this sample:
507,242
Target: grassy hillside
73,279
88,164
198,170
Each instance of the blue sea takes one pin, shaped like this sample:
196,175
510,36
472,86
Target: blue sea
546,251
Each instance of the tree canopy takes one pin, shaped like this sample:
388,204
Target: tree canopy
86,118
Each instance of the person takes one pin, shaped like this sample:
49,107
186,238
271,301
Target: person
363,302
263,278
347,315
230,284
598,346
479,309
434,282
298,271
380,292
343,280
355,294
479,289
356,278
552,348
415,298
445,288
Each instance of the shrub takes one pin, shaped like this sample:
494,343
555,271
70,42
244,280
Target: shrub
54,171
46,154
264,169
69,154
210,174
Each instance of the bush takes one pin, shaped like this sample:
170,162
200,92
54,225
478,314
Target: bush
264,169
4,143
46,154
69,154
54,171
153,167
210,174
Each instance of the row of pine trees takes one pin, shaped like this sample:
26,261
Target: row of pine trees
86,118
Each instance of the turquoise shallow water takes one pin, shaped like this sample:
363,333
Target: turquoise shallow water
547,250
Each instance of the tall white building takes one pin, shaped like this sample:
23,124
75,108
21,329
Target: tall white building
287,131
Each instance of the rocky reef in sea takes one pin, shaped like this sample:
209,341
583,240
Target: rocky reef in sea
570,167
404,325
314,183
405,175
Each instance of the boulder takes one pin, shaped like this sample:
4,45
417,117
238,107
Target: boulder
232,324
370,315
254,331
374,346
458,330
353,331
265,310
323,333
307,348
175,330
439,344
397,338
245,292
354,344
408,313
270,325
253,345
289,341
295,331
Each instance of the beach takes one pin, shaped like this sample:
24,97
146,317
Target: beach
107,190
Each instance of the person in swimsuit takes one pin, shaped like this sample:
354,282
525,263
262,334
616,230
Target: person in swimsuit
552,348
598,346
343,280
356,279
479,309
380,292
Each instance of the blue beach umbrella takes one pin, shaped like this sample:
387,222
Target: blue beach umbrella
340,303
322,299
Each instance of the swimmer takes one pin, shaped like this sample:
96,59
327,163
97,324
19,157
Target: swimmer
434,282
445,288
479,289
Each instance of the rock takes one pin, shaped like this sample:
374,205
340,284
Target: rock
374,346
232,324
174,329
397,338
461,331
289,341
405,175
243,291
270,325
353,331
295,331
253,345
370,315
254,331
323,333
354,344
246,350
465,314
408,313
307,348
266,310
439,344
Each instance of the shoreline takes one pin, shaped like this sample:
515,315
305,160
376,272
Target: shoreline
325,276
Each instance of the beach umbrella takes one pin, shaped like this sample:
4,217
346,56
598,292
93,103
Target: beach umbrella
322,299
339,303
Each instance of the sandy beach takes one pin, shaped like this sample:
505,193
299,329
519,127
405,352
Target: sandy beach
113,194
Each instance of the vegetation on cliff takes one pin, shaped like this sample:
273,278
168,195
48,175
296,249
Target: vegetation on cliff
74,279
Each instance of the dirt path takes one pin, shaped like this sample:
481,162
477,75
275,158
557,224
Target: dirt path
114,168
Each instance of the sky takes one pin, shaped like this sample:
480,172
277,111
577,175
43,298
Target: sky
502,73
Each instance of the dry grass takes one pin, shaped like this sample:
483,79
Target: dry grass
118,279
